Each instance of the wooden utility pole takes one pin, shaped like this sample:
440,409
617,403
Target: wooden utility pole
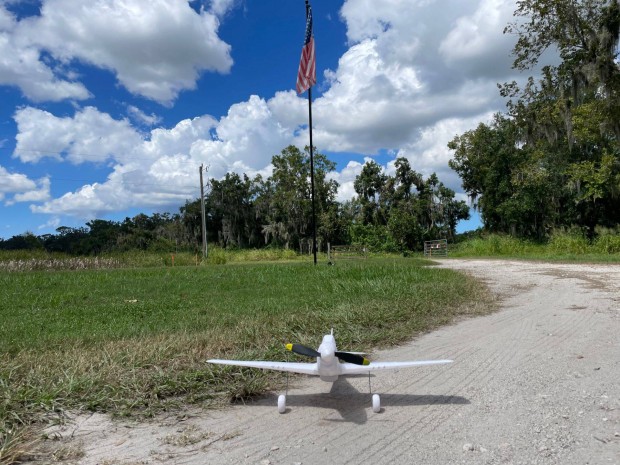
202,211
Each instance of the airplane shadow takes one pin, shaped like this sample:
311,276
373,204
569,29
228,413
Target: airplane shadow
353,405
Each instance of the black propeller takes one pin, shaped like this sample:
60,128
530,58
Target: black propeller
303,350
352,358
344,356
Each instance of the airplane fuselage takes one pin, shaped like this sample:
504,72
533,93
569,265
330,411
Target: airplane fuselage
328,364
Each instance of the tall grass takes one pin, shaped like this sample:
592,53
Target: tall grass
135,341
218,255
495,245
562,245
23,260
59,263
215,256
607,241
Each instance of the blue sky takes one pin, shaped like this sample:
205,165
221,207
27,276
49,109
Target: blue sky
108,107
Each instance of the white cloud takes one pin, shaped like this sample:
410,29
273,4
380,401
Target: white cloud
7,20
476,45
22,188
39,194
288,109
248,135
160,169
418,25
83,203
430,154
346,179
14,182
21,66
156,49
141,117
53,223
221,7
89,136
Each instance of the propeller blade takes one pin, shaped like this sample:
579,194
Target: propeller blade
302,350
355,359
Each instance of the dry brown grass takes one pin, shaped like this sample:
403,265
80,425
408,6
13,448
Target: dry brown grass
18,444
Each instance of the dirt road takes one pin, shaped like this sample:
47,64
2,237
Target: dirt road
536,383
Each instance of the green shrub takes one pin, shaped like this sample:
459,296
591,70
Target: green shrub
376,238
607,240
216,256
568,242
494,245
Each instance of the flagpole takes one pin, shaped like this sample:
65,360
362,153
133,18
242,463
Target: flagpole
306,77
312,173
311,161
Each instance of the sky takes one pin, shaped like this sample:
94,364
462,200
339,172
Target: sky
109,107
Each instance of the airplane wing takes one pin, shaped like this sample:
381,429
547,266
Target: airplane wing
292,367
350,369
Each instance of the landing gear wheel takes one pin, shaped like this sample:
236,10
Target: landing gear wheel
376,403
281,403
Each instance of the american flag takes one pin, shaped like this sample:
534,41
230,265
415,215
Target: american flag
306,76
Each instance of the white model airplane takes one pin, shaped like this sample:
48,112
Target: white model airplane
328,365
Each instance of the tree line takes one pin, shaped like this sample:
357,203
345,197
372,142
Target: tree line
552,161
389,213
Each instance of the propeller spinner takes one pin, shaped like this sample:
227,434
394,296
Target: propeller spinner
344,356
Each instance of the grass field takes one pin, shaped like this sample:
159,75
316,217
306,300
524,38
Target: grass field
135,341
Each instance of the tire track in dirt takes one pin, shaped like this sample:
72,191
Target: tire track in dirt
431,419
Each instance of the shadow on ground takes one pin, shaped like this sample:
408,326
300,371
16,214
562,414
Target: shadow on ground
353,405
